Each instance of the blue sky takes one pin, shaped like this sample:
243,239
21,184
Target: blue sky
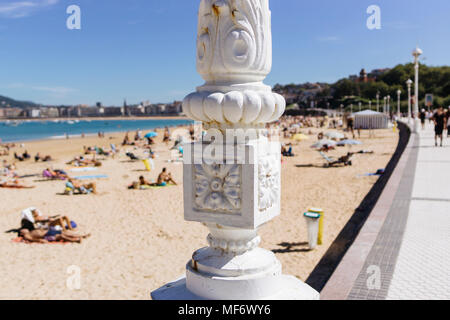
145,49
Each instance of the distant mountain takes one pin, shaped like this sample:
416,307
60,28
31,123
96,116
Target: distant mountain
6,102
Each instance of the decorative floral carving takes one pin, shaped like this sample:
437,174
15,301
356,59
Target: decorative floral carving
234,40
218,188
269,182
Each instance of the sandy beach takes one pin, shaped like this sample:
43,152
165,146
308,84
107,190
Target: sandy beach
140,240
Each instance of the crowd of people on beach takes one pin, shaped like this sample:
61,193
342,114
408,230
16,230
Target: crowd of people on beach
36,228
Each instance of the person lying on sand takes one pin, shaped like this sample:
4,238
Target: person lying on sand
15,184
163,179
56,174
96,151
39,221
82,188
77,185
17,157
45,236
81,161
141,183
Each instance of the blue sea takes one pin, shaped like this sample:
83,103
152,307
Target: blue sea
18,131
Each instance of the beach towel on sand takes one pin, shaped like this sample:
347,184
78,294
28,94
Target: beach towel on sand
22,240
156,187
85,169
91,177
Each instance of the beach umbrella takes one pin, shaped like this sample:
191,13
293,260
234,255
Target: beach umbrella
300,137
151,135
324,142
334,135
349,142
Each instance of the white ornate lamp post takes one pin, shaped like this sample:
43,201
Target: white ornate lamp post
416,54
360,106
399,92
235,192
409,84
370,104
384,106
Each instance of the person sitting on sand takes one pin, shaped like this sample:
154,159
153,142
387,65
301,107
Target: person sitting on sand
166,138
165,177
39,221
126,140
287,152
26,155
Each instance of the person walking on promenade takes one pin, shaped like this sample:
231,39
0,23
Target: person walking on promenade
439,122
422,117
448,122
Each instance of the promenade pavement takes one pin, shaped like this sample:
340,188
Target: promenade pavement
403,250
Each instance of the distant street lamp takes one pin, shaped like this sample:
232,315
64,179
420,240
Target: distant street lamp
409,84
360,105
389,105
399,92
378,101
370,104
416,54
384,105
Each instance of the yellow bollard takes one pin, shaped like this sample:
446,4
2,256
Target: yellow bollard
394,128
322,213
147,164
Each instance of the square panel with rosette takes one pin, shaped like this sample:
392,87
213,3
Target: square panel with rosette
240,189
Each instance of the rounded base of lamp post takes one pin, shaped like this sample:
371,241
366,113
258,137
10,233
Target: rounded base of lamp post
286,288
214,274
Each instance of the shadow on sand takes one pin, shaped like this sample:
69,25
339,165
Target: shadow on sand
289,247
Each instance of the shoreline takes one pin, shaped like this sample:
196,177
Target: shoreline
96,118
93,134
